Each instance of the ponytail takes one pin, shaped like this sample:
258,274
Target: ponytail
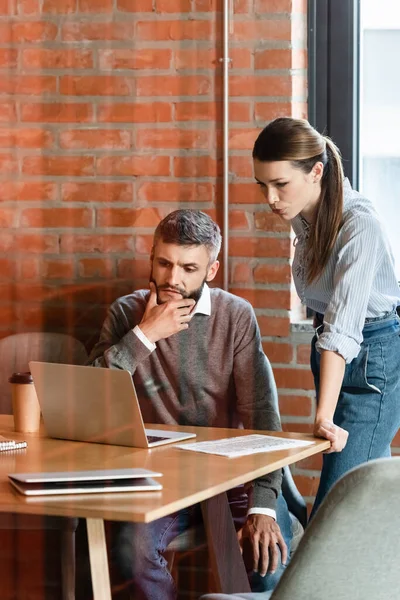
329,213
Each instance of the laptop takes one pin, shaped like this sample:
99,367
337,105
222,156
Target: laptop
93,404
84,482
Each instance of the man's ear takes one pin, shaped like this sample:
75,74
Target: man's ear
212,271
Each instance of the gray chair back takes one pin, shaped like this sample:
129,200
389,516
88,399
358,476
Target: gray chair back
17,350
351,549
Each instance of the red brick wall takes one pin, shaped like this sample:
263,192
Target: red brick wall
110,117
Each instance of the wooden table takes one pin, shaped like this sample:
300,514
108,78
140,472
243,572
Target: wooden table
188,478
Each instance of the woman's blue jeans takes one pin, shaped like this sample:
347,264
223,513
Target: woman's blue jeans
369,401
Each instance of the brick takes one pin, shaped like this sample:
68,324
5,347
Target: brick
176,192
238,220
173,6
56,217
32,243
272,273
241,166
118,31
6,241
8,58
27,190
264,298
137,6
174,30
99,243
55,7
134,58
312,463
6,7
28,85
7,217
56,113
239,111
99,191
241,58
278,353
128,217
8,164
30,268
58,269
96,267
7,268
99,85
242,139
241,273
133,166
209,58
274,326
306,485
267,221
58,165
30,31
273,58
271,30
196,166
143,244
25,138
174,85
260,85
267,111
257,247
96,6
133,269
50,58
195,111
296,379
303,354
196,58
155,112
273,6
173,138
295,406
7,112
28,7
7,316
110,139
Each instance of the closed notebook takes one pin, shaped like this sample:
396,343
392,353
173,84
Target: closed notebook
84,482
9,444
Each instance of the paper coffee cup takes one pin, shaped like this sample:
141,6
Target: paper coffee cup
26,408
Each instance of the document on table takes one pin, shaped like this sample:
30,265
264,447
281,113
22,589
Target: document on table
245,444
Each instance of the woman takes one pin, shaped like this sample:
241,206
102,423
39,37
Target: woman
343,270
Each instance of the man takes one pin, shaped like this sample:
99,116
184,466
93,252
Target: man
196,359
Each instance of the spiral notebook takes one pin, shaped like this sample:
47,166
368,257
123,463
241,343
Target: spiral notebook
9,444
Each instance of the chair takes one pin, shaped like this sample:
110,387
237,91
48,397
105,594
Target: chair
351,548
15,353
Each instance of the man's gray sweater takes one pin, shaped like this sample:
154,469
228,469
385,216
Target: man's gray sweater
213,374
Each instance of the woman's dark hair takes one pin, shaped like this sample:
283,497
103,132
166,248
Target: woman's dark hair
295,140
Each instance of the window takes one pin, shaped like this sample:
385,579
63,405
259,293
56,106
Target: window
379,159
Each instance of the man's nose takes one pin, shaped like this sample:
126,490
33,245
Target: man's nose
174,276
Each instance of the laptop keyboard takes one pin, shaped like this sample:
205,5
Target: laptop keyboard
155,438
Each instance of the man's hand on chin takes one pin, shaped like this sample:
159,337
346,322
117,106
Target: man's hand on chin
264,536
163,320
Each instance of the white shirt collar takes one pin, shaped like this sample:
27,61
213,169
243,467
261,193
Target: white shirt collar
203,306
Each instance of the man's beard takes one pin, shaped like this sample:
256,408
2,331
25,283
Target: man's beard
195,295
